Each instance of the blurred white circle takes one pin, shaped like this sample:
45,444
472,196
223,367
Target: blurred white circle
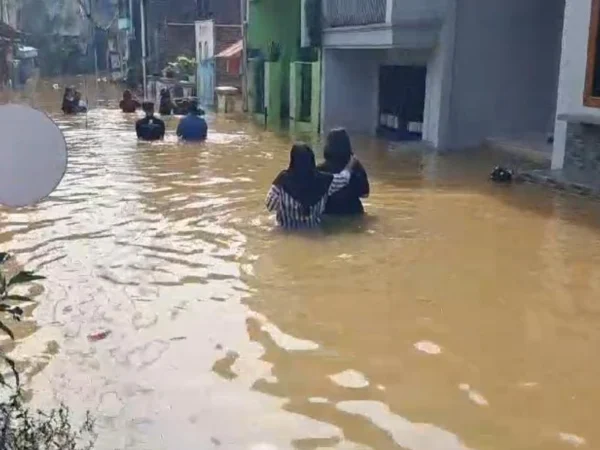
33,155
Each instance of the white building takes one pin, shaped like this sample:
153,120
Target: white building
461,71
577,135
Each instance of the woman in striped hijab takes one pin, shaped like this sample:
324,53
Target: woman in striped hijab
298,195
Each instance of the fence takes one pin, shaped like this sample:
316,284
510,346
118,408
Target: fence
345,13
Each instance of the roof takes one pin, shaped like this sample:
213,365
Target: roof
232,51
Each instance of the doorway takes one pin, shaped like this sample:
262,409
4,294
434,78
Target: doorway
401,102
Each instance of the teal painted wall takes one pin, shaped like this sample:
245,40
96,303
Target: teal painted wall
276,21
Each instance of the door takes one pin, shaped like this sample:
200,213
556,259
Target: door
402,101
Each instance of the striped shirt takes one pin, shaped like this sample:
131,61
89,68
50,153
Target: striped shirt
289,212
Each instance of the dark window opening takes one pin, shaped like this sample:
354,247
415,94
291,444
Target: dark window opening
401,102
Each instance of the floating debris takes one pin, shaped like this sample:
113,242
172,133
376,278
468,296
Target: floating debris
428,347
573,439
474,396
95,337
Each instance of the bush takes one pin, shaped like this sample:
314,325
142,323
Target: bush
20,428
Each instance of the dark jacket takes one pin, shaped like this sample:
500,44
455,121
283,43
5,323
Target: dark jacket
347,201
68,106
150,129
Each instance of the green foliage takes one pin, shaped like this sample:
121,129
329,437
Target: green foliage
8,307
187,65
273,52
21,428
182,68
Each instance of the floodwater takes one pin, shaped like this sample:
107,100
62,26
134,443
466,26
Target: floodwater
458,315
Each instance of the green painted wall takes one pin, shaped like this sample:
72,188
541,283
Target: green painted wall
315,109
274,76
276,21
296,91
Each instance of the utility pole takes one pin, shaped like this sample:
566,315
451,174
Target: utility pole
144,50
245,16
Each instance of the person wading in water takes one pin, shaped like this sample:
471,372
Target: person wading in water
299,194
150,128
68,102
128,104
193,126
338,151
165,107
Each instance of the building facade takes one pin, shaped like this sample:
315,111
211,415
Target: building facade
227,19
577,132
273,43
450,72
284,69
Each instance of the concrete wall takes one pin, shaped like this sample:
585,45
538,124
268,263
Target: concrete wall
572,71
505,70
418,10
276,21
349,96
439,82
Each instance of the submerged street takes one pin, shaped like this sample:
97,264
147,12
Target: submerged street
457,315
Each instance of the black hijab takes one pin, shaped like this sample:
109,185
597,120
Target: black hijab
338,150
301,180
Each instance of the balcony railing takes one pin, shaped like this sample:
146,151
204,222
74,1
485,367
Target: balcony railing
348,13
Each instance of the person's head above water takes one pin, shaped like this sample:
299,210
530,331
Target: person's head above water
69,91
127,94
338,148
301,180
302,160
194,109
148,108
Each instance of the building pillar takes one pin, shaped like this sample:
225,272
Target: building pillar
439,83
559,146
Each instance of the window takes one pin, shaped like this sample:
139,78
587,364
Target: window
591,96
206,55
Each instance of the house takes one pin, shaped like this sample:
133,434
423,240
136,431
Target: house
227,18
451,72
284,69
218,42
170,31
577,132
273,43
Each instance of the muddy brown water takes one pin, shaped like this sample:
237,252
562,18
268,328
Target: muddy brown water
458,315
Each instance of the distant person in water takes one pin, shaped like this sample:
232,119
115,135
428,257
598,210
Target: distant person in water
193,127
338,151
68,102
165,108
150,128
128,104
80,105
299,194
